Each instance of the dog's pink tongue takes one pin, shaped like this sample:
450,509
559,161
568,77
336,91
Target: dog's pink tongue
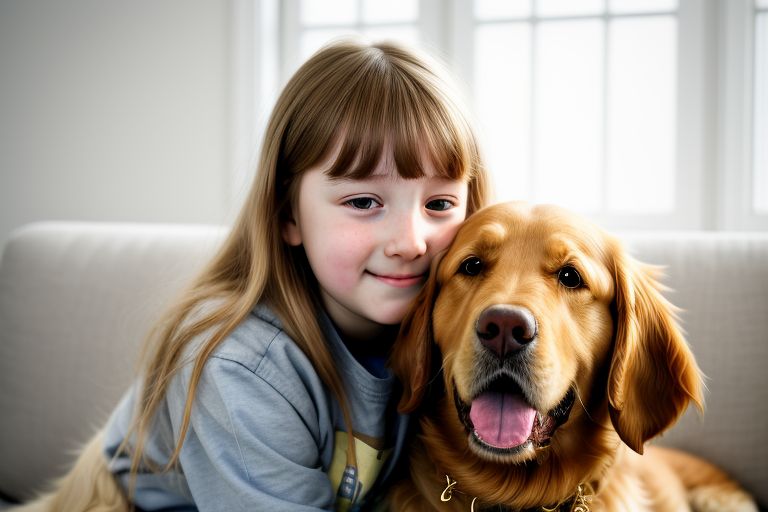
502,420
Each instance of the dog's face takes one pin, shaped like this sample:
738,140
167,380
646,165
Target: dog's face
541,322
522,320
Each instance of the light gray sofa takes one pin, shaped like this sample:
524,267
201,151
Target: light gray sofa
76,300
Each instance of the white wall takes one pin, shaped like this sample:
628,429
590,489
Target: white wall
114,110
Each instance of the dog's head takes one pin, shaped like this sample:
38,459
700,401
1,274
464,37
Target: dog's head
544,325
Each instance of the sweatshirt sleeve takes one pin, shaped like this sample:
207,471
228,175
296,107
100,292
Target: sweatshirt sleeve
253,443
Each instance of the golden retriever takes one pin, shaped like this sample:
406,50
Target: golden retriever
541,358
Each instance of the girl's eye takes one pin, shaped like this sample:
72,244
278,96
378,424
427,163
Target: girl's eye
569,277
439,205
362,203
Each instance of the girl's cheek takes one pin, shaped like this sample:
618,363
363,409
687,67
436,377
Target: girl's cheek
445,235
352,241
348,255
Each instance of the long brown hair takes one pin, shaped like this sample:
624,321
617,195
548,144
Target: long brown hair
351,95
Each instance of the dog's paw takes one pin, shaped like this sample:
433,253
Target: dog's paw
721,498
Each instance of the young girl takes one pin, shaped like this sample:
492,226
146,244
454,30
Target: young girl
265,388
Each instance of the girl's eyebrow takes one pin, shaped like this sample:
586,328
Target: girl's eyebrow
351,179
339,181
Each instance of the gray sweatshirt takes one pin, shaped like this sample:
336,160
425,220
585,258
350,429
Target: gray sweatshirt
265,433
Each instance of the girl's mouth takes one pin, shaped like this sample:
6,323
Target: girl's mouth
400,281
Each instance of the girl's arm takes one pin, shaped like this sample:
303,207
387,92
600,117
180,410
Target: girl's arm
255,440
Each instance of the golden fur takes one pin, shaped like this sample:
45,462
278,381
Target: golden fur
612,344
89,486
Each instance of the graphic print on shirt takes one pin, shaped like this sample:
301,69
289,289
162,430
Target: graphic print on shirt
352,483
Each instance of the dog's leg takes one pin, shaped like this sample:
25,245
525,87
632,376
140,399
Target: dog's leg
709,489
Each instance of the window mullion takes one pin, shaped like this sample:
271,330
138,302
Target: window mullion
461,47
290,43
606,178
434,25
693,205
734,113
534,78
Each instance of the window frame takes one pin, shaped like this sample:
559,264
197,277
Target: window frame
736,120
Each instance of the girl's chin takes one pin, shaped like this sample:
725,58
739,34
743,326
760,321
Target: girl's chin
390,318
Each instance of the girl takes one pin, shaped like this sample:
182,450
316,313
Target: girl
265,387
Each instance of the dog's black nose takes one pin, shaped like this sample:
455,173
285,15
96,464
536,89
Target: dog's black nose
506,329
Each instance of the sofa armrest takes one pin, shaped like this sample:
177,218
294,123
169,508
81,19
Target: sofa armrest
76,302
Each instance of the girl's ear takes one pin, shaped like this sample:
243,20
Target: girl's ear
411,358
291,232
653,374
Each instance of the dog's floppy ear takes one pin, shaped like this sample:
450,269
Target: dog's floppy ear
653,374
411,358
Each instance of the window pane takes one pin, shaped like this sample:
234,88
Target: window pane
407,34
641,128
502,101
328,12
501,9
376,11
569,114
569,7
759,143
633,6
312,40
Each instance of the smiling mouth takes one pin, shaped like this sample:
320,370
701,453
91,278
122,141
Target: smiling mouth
500,421
400,281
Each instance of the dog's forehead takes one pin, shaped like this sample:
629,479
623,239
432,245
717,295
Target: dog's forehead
501,222
543,229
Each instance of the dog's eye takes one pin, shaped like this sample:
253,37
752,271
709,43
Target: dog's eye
471,266
569,277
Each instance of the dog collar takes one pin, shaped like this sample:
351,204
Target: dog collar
578,502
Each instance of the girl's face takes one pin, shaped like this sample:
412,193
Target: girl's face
370,241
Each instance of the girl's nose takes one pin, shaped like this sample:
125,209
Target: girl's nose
407,238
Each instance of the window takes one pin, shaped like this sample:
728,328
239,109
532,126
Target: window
639,113
578,102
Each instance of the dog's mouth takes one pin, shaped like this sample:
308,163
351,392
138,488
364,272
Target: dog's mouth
500,421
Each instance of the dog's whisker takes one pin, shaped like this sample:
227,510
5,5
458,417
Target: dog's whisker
441,371
436,377
578,395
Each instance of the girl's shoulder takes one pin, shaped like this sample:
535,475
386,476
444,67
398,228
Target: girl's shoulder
259,343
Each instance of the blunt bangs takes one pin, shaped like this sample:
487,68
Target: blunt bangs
395,105
371,99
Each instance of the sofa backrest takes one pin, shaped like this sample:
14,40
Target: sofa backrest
76,301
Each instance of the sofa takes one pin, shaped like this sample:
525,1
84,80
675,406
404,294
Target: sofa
77,299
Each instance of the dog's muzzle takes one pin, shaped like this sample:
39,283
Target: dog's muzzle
500,421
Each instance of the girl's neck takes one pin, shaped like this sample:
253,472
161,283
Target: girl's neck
374,342
362,336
